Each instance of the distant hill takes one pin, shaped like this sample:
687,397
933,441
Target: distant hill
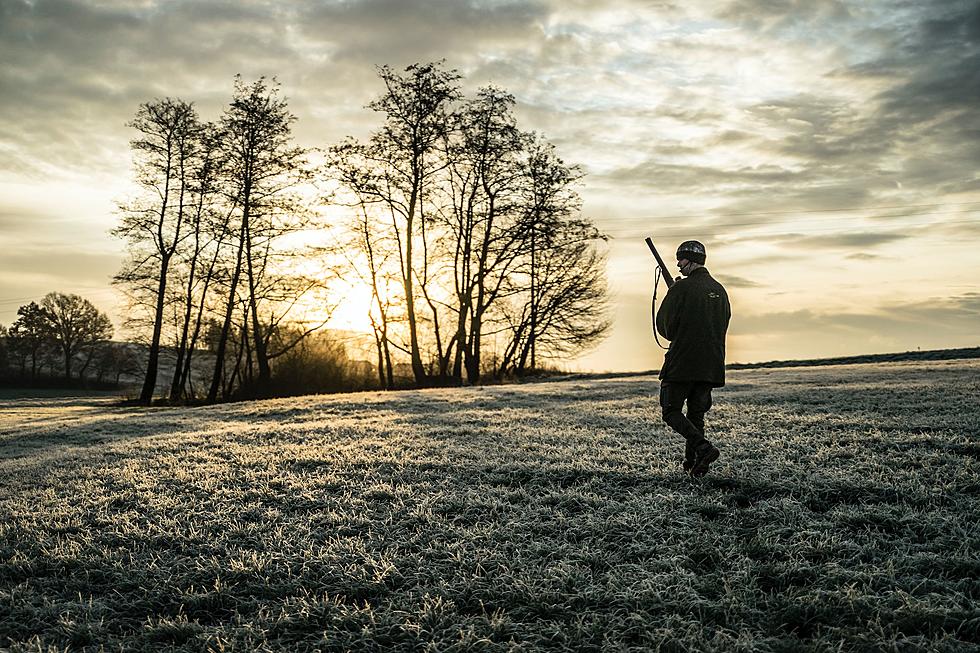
930,355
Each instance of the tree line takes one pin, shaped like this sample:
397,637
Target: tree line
466,229
62,339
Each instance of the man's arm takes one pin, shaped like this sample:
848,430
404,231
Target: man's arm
668,314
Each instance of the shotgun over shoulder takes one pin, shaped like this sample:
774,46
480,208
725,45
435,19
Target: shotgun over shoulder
668,279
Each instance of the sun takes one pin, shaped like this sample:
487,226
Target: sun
353,310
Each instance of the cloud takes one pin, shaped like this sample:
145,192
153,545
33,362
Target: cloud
60,262
73,73
845,240
939,57
955,317
863,256
887,112
16,222
732,281
400,33
929,111
964,226
767,16
676,176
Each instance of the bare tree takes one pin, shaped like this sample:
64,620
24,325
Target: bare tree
551,202
208,221
76,325
113,360
484,203
403,160
561,290
485,228
381,309
570,309
263,167
154,226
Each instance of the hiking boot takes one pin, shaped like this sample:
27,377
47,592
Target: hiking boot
707,453
689,457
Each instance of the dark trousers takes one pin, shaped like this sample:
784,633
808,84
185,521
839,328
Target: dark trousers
673,395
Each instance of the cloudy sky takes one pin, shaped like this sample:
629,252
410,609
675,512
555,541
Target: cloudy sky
826,151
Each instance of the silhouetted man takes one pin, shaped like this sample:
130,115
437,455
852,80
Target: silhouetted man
694,316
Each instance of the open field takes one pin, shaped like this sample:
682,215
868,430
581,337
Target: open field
843,515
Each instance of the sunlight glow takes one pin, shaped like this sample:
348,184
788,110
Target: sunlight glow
354,309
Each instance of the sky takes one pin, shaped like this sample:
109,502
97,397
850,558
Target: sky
827,152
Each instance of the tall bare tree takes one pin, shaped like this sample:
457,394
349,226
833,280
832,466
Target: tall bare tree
263,167
560,301
154,225
485,228
404,160
560,292
569,309
551,207
208,220
465,191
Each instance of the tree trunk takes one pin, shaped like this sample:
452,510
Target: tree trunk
67,351
532,336
186,377
261,352
177,384
417,369
149,383
226,326
381,360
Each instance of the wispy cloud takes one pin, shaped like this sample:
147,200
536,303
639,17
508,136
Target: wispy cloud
848,240
956,316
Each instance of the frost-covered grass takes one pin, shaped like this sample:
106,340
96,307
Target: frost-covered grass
843,515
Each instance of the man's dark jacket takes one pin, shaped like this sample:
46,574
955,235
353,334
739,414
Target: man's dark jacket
694,316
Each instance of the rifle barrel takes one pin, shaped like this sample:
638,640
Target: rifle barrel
668,279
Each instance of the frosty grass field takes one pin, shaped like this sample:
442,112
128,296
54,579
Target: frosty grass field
843,515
